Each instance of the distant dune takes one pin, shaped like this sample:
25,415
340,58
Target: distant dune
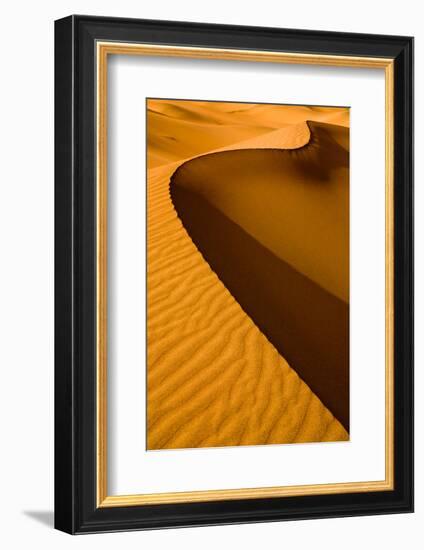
215,377
181,130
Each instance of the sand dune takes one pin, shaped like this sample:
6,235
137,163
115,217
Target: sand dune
256,215
214,379
200,140
189,134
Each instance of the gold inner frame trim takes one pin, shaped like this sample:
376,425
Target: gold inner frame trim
103,50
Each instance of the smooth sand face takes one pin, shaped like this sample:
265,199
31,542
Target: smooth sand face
215,376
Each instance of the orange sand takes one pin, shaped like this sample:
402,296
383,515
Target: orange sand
213,378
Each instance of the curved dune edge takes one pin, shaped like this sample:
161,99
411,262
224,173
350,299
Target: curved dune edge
213,377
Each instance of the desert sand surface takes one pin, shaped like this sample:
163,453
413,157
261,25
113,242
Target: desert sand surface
215,377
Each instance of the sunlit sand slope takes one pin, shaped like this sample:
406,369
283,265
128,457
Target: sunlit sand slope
214,379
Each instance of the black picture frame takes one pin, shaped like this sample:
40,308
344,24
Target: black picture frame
76,510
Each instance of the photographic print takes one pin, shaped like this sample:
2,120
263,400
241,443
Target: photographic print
247,274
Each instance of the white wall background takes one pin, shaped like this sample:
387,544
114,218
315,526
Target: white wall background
26,272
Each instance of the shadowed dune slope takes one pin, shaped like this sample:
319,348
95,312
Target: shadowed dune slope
307,325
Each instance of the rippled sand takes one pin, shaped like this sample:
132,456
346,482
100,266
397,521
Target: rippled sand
214,379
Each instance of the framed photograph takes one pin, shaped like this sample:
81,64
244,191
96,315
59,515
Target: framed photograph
234,274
